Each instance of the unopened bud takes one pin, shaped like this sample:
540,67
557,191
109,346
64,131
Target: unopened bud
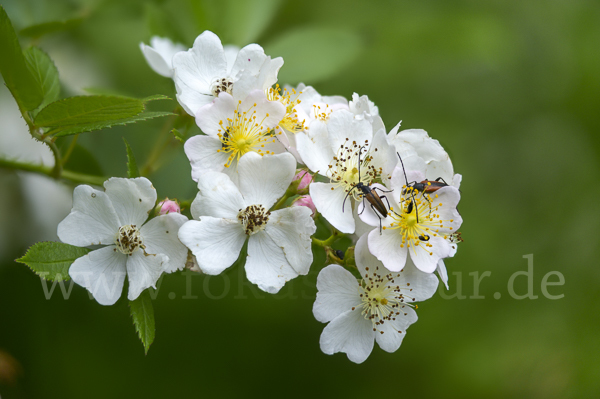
306,201
168,206
305,179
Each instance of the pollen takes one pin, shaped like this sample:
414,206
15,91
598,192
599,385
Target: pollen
290,121
128,239
383,297
254,218
244,133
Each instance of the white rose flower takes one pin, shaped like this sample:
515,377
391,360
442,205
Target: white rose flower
376,308
115,218
206,70
279,243
420,224
333,150
233,128
159,54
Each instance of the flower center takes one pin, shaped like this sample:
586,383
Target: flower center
244,133
352,164
382,297
128,239
217,85
322,113
254,218
418,221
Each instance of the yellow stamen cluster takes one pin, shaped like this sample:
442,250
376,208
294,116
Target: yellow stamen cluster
290,121
344,171
383,298
243,134
322,112
418,220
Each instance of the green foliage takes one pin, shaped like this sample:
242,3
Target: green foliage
178,135
142,313
44,28
132,168
330,51
19,80
45,74
75,129
82,160
51,260
85,110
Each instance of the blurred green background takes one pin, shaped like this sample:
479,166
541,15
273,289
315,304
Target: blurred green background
510,88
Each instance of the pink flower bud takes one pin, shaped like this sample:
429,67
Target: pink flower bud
306,201
304,177
168,206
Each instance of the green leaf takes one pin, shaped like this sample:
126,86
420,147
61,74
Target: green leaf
246,20
51,260
19,80
142,313
132,168
88,109
44,28
45,73
314,54
75,129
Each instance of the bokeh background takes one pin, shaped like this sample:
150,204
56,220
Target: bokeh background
510,88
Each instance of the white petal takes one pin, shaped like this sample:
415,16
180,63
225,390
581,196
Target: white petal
218,197
196,68
337,293
314,147
159,236
427,148
329,199
443,273
131,198
344,130
395,330
426,259
266,265
250,58
231,53
448,197
387,248
204,153
268,113
423,285
216,243
212,118
156,61
264,179
290,229
143,271
384,155
102,272
349,333
192,100
262,80
92,220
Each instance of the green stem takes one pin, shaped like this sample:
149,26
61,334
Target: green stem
44,170
70,149
160,145
327,243
281,202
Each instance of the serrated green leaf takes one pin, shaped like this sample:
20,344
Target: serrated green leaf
178,135
44,28
132,168
45,73
75,129
51,260
19,80
87,110
313,54
142,313
155,97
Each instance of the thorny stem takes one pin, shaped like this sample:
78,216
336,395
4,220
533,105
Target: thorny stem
44,170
